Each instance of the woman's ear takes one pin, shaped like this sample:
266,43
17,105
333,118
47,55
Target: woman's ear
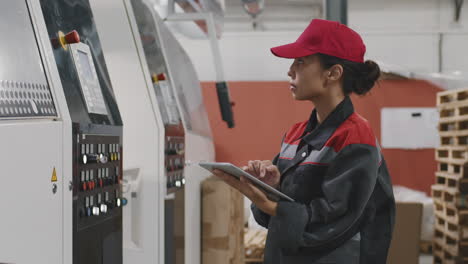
335,72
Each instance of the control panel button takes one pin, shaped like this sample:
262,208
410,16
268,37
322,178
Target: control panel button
103,208
96,210
72,37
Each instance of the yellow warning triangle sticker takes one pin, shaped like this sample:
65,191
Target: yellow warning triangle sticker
54,176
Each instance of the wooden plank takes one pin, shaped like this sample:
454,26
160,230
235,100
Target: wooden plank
452,161
451,106
456,168
449,196
453,124
455,133
455,231
453,119
437,192
452,152
453,111
442,256
451,214
451,96
454,181
452,247
454,138
438,252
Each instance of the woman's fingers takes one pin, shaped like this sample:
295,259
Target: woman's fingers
263,170
251,166
271,168
255,167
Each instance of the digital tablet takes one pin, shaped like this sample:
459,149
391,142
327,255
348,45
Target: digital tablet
271,192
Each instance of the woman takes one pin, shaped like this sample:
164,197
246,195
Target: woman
331,165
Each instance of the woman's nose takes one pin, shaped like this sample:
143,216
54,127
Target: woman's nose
291,73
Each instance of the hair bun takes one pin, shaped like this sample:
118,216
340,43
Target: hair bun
370,74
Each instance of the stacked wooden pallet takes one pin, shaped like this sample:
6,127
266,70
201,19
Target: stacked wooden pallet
254,240
450,192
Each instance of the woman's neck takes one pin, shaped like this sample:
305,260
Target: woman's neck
325,105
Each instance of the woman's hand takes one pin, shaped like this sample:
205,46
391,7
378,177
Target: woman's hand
254,194
264,171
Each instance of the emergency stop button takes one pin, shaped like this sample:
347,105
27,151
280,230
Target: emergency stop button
64,39
72,37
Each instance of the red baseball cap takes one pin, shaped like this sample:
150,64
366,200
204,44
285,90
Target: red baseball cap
327,37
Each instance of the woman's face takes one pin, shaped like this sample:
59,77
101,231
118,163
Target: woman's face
308,78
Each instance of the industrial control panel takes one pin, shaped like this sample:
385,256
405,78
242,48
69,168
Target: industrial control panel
156,63
97,132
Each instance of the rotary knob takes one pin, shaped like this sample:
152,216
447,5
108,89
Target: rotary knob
103,158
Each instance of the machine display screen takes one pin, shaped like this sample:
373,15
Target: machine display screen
90,86
83,57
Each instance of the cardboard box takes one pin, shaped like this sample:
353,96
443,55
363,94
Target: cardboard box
405,244
223,223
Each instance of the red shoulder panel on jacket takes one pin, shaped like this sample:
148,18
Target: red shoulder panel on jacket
355,130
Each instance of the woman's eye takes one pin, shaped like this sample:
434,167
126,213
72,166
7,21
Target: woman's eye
300,61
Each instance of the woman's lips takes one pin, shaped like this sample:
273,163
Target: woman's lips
292,87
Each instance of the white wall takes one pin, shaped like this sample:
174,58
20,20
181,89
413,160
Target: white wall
396,32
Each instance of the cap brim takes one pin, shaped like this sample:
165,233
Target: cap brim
291,51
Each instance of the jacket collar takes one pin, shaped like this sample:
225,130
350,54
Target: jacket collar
322,132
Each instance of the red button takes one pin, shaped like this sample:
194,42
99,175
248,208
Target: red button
161,77
72,37
90,185
100,182
84,186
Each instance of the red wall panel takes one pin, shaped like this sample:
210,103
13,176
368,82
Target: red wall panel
264,111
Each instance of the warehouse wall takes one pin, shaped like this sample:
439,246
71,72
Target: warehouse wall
398,32
265,110
410,34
